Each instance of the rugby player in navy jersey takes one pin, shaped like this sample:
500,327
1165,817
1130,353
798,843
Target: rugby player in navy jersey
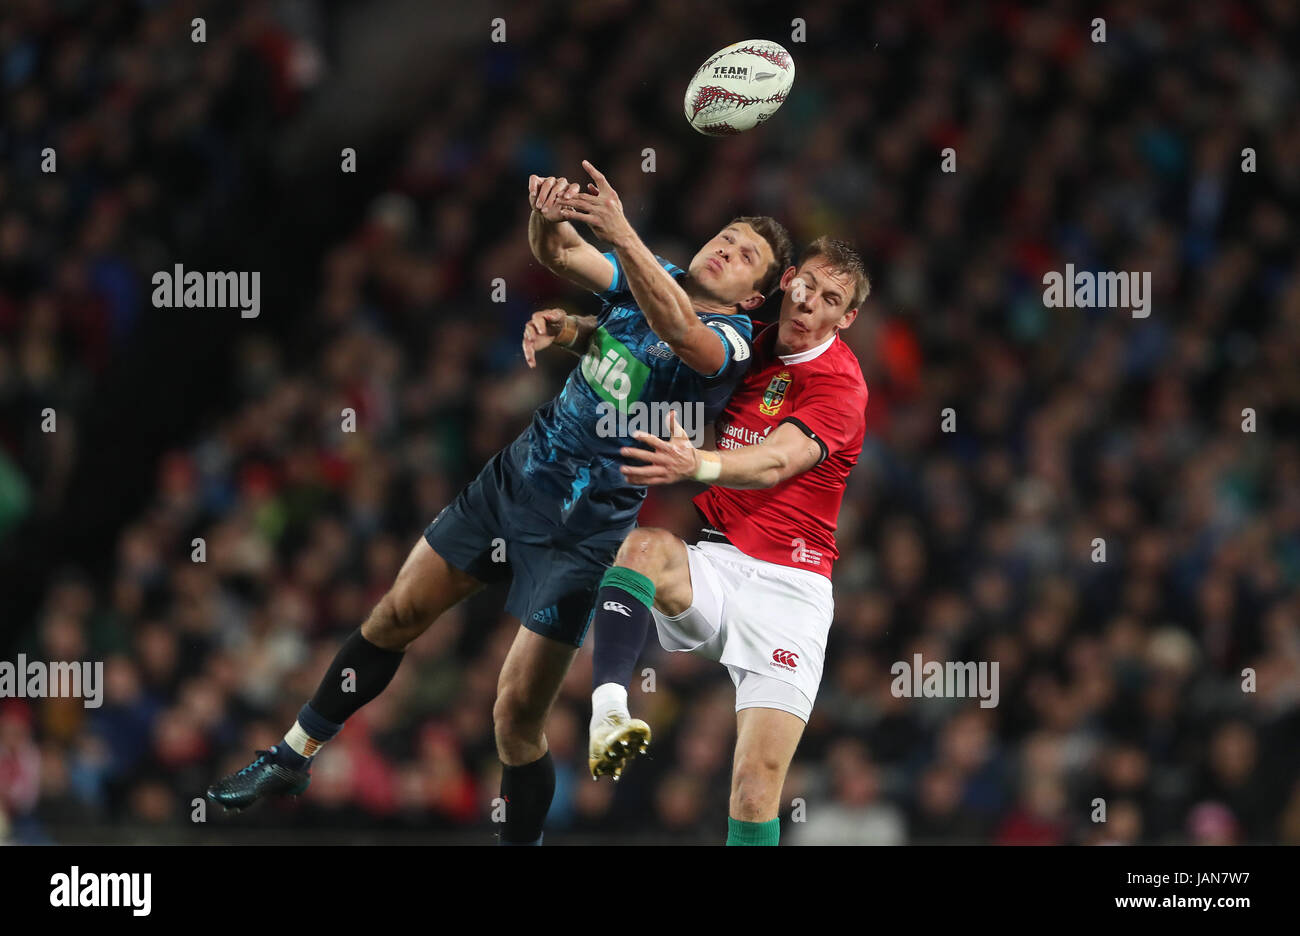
555,497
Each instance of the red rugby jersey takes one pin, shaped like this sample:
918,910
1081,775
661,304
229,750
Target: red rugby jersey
822,392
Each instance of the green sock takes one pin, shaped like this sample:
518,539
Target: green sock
753,833
631,581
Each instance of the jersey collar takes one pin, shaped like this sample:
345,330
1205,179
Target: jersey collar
811,354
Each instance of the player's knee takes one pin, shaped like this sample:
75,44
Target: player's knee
756,787
645,550
515,721
396,620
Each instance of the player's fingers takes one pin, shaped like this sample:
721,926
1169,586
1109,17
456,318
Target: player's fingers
573,211
647,476
538,193
653,441
582,198
544,191
528,353
594,190
641,455
534,182
674,427
557,191
594,173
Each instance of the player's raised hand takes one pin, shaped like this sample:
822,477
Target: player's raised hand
667,461
544,195
599,206
541,331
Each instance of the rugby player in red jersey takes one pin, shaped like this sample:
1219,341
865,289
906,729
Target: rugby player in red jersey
754,593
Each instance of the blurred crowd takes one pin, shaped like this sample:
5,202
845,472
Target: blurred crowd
1114,516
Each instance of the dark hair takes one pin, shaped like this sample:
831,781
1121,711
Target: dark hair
778,239
842,258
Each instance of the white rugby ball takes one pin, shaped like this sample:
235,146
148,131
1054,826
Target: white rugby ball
739,87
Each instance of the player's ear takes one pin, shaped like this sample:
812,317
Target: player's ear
787,278
752,303
847,318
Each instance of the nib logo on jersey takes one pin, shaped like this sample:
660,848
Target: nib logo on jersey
612,370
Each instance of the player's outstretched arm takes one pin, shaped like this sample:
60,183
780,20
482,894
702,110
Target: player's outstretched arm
666,306
786,452
555,243
556,327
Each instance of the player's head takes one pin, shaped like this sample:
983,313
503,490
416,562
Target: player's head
822,294
742,265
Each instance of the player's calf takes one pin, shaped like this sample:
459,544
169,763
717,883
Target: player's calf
426,586
649,571
766,739
529,682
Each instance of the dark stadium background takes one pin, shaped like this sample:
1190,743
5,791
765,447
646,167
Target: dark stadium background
1119,680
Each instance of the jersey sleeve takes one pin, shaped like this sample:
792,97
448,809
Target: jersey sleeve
736,333
831,412
618,291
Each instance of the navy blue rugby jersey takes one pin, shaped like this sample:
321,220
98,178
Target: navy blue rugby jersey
569,452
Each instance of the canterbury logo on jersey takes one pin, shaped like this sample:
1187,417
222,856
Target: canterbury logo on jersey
620,608
785,659
612,370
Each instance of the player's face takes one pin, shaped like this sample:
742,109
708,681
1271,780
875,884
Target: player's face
815,305
729,266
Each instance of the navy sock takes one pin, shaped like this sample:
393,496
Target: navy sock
317,730
620,624
527,790
283,754
338,697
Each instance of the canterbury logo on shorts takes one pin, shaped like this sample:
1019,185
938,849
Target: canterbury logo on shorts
785,659
620,608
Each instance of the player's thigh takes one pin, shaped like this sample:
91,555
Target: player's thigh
431,582
426,586
531,677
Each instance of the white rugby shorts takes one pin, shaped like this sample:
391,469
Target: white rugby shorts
766,623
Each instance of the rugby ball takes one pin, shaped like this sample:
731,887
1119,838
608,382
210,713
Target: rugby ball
739,87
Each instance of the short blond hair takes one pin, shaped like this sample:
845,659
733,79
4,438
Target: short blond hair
842,258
